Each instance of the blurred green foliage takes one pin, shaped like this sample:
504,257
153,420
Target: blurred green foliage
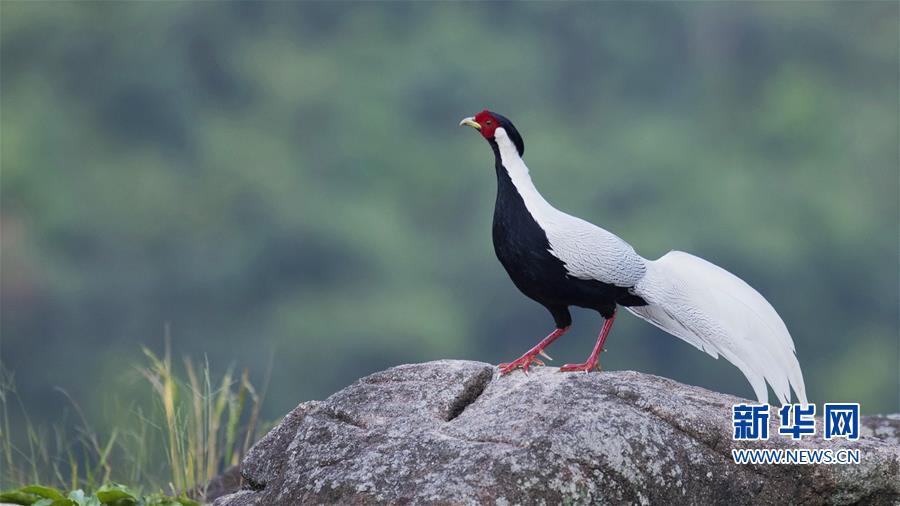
287,180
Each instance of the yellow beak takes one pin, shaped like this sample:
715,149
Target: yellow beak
470,121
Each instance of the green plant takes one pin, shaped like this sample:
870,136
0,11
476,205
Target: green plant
201,439
187,435
112,495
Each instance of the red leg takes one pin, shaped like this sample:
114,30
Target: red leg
529,357
595,354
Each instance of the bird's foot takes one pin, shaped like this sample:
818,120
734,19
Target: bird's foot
584,367
523,362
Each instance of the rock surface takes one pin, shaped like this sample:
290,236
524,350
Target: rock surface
453,432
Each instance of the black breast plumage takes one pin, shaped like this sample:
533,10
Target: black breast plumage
522,247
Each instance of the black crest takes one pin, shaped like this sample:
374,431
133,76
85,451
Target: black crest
511,131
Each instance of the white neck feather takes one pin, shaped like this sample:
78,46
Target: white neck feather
539,208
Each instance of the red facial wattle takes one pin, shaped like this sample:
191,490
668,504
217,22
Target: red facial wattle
487,122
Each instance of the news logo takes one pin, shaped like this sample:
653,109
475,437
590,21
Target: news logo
796,421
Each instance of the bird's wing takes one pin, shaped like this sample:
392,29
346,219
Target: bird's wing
720,314
590,252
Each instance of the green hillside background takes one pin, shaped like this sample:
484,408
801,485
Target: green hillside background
286,183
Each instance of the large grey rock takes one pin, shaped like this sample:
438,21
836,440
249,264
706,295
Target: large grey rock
453,432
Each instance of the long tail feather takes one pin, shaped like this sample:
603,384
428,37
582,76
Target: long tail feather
720,314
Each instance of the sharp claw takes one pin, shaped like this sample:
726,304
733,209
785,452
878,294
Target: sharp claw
548,357
523,363
578,368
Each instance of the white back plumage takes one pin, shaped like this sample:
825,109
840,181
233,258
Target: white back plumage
720,314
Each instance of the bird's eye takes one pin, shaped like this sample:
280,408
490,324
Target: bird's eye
488,122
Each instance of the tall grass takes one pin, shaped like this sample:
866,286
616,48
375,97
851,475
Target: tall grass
201,428
188,433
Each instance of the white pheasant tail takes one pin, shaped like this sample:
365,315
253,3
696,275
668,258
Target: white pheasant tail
720,314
